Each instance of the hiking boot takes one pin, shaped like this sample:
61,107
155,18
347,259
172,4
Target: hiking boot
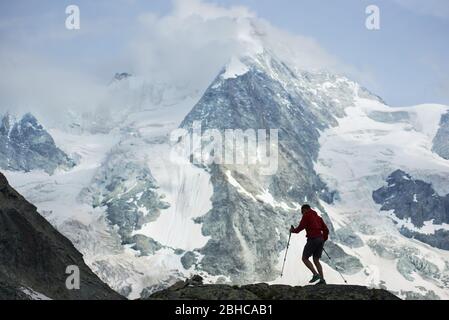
315,278
322,281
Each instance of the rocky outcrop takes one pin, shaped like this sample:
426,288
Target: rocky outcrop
123,75
34,256
128,190
194,289
441,140
412,199
25,145
415,202
390,117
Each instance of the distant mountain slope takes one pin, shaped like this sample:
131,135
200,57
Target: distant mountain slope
418,209
441,140
25,145
34,256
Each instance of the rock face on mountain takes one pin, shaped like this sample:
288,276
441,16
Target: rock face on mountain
25,145
195,290
121,75
416,202
128,191
389,117
268,95
34,256
441,140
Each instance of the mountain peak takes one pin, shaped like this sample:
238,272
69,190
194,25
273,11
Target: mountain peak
236,67
25,145
123,75
30,121
7,124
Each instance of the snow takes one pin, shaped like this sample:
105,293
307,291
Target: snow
34,295
234,69
268,198
238,186
56,193
429,227
295,272
188,190
355,158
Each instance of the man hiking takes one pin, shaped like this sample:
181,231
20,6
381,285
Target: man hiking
316,233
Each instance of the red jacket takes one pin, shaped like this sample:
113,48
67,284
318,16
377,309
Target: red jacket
314,225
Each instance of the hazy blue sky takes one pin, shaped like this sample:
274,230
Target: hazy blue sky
405,62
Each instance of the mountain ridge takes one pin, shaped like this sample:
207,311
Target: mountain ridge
194,289
34,256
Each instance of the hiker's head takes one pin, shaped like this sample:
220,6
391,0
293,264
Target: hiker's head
305,208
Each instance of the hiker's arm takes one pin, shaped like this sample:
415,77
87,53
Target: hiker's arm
302,225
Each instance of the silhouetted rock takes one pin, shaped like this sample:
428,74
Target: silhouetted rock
34,256
185,290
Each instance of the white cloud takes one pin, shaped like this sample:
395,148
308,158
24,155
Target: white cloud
197,39
31,83
185,48
209,11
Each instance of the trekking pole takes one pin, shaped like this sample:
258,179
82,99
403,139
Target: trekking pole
335,266
286,250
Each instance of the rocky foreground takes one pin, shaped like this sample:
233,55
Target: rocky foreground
194,289
34,256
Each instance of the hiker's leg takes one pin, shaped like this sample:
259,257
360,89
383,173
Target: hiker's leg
309,265
318,266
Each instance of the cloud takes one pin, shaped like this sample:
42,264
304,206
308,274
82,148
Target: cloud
441,86
209,11
185,48
31,83
435,8
193,42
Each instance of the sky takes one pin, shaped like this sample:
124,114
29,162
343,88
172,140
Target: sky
186,42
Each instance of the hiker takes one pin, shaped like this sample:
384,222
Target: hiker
316,233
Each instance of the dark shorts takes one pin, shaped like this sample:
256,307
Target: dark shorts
313,247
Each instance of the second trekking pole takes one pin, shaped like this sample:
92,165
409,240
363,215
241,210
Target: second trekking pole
335,267
286,250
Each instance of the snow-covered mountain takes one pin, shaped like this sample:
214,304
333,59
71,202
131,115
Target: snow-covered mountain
25,145
360,157
143,220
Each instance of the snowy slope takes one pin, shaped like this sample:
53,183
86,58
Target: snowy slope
355,158
142,132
